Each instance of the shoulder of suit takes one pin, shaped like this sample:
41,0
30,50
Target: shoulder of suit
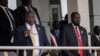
82,27
68,25
19,8
39,25
33,7
11,10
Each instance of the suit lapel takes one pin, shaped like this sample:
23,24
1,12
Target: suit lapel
23,9
39,33
38,28
3,11
82,34
4,14
73,33
72,30
96,39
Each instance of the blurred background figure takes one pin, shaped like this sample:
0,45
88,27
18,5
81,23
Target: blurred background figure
95,38
20,12
64,22
7,26
55,30
55,37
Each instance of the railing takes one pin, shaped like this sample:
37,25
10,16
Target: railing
47,47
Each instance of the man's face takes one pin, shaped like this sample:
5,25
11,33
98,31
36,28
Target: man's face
4,3
30,19
57,25
97,31
76,20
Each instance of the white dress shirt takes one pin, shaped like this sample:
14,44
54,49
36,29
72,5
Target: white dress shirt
36,37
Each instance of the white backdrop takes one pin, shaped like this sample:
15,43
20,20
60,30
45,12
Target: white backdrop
64,9
96,20
12,4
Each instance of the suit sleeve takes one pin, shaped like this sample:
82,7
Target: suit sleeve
19,39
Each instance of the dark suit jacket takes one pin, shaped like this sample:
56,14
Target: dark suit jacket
20,15
55,35
20,40
68,38
94,41
5,29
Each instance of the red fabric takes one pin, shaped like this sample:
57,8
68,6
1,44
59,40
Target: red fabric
53,41
79,41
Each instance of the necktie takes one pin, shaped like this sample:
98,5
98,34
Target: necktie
32,38
79,41
53,40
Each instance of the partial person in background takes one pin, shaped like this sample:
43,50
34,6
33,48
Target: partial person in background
7,26
74,35
64,22
55,30
55,36
95,38
31,34
20,12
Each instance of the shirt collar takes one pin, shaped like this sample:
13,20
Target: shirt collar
30,25
74,25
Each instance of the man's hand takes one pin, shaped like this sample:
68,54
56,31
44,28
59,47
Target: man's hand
44,52
54,52
27,33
